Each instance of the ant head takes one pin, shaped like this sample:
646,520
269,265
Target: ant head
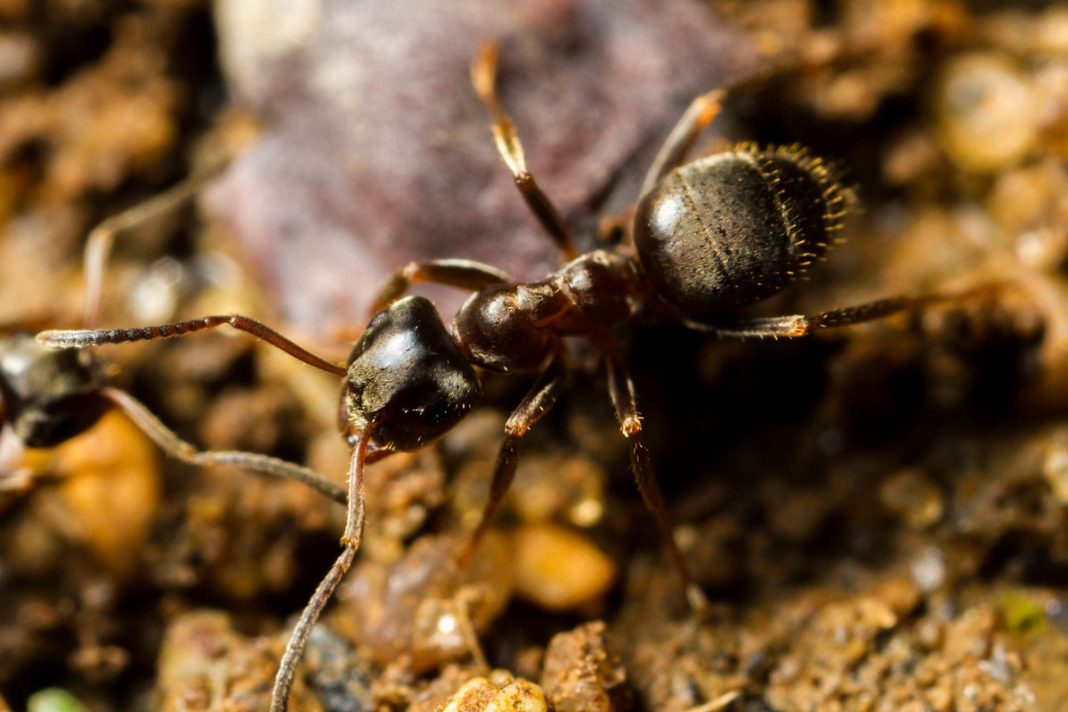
49,395
733,228
408,377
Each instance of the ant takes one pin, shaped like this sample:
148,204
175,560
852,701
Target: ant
49,396
707,237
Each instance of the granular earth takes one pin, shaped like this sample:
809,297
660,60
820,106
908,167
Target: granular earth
879,515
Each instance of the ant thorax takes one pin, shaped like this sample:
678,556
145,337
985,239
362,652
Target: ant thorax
515,327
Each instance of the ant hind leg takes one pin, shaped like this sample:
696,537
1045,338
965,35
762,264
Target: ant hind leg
701,112
797,325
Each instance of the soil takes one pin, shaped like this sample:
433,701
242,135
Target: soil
878,515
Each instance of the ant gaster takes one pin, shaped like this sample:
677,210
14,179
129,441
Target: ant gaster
707,237
48,395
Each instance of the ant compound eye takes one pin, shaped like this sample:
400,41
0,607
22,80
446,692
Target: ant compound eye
407,375
734,228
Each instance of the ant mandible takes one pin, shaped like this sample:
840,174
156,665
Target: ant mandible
707,237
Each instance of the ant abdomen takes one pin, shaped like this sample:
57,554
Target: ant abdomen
734,228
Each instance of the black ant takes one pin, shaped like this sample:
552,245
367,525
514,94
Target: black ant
707,237
48,396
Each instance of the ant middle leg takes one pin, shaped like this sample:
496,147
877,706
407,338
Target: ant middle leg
506,138
625,404
537,402
463,274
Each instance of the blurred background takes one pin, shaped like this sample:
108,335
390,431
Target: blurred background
879,514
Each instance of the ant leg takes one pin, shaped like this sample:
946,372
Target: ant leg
536,403
464,274
81,338
170,443
484,79
718,704
625,404
463,600
350,541
797,325
701,112
102,237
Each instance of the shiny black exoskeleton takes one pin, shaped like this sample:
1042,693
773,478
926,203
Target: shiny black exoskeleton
406,375
49,396
734,228
706,238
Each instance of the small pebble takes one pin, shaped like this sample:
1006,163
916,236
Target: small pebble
1055,470
986,112
914,498
113,490
502,694
558,569
54,700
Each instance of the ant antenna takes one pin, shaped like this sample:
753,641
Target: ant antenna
350,541
179,449
82,338
102,237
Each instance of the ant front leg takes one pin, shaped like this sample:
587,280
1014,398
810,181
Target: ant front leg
484,79
463,274
537,402
625,404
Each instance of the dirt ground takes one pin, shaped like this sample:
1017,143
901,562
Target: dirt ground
878,515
